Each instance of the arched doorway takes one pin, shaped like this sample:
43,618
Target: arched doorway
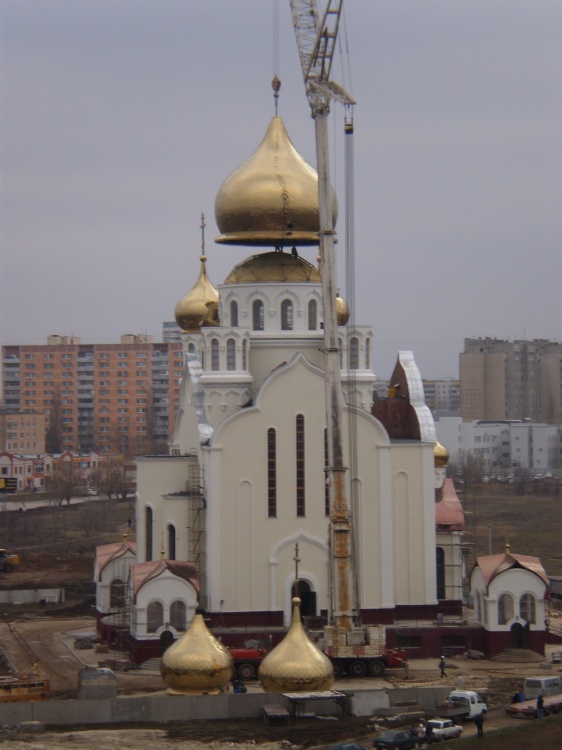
308,599
166,640
520,635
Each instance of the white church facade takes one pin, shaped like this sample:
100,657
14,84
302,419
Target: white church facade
217,520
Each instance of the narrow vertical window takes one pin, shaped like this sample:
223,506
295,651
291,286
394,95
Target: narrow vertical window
257,315
178,615
171,541
234,314
300,464
341,353
244,355
271,473
286,315
214,354
368,354
505,609
527,608
230,354
326,475
312,315
440,572
354,354
191,348
148,517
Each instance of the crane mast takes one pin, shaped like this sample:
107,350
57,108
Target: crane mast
316,39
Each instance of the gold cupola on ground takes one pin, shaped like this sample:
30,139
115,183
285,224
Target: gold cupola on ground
197,663
296,664
272,198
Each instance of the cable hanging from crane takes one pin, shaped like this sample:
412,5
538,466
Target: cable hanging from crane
276,81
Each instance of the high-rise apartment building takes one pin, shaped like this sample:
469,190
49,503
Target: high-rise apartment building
511,380
22,432
96,397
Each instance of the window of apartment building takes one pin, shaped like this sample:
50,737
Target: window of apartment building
141,355
121,383
67,356
123,355
141,392
66,401
141,383
122,373
141,429
140,365
104,364
141,420
48,366
29,393
67,411
29,356
104,410
104,392
30,402
67,383
177,373
29,375
122,400
67,420
141,410
66,365
123,392
48,356
104,420
122,411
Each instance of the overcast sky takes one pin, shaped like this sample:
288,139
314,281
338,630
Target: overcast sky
121,119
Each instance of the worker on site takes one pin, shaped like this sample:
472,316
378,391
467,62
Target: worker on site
441,666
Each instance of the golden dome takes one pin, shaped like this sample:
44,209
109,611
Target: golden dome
200,306
273,267
197,662
296,664
272,198
342,310
441,455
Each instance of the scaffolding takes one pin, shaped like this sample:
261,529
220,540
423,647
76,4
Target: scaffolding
195,489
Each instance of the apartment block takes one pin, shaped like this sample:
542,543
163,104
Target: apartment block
22,432
519,380
96,397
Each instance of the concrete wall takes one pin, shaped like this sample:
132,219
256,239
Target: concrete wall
156,709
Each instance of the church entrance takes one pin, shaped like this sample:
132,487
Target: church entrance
308,599
166,640
520,636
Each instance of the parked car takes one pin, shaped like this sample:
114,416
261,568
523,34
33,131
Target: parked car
92,491
346,746
444,729
399,740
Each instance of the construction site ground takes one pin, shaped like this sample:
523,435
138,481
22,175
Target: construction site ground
52,642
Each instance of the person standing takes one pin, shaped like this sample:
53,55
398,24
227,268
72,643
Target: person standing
441,666
540,707
479,721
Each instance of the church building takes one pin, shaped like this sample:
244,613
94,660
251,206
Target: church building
219,518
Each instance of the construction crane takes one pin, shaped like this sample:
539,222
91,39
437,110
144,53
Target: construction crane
316,41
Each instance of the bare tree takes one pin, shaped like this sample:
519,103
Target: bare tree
62,482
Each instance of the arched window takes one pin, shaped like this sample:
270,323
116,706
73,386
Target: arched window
214,354
367,354
154,617
171,541
354,354
117,594
271,473
178,614
505,609
440,571
191,348
257,315
230,354
300,464
244,355
286,315
312,315
234,314
527,608
148,520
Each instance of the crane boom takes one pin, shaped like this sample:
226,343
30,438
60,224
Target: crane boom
316,39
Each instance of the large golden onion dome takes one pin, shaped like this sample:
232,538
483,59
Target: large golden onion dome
440,455
296,664
200,306
273,267
272,198
196,663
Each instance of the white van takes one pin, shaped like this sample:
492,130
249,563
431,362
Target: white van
470,700
535,686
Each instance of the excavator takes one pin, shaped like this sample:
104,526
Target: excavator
9,561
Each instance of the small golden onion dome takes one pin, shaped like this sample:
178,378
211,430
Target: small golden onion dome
440,455
200,306
273,267
272,198
296,664
196,663
342,310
